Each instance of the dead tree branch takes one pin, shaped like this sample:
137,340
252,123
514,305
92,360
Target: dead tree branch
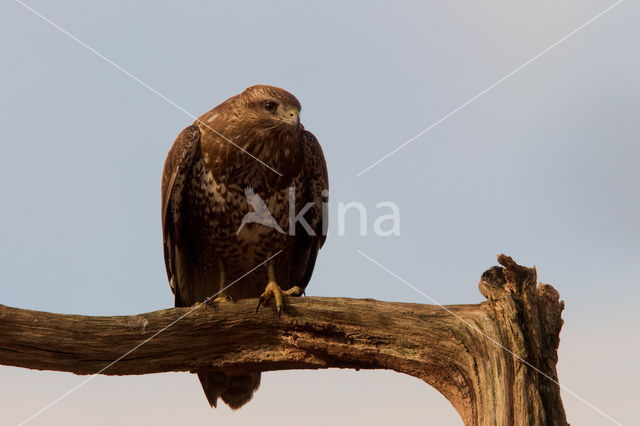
495,362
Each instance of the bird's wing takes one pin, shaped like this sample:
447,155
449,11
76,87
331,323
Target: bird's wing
177,168
315,184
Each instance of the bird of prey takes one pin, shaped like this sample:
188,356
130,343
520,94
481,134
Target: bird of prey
248,154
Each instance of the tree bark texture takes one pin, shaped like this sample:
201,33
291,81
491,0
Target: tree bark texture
494,361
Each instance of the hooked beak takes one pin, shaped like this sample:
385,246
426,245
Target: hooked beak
294,116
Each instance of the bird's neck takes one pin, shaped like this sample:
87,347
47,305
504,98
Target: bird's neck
261,160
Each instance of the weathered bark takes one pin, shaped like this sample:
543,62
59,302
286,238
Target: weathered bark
495,362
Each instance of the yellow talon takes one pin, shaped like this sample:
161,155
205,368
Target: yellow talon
273,290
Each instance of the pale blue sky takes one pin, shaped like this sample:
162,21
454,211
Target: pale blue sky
543,167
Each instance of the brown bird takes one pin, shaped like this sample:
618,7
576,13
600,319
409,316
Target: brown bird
244,184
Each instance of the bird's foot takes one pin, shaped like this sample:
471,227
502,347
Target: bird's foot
274,291
222,297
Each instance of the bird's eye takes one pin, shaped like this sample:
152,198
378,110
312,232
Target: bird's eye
270,106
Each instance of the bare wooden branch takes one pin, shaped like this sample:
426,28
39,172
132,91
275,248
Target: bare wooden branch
495,362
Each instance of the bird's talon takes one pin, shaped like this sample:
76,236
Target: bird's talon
260,301
222,297
273,290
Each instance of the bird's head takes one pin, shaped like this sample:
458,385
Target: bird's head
271,107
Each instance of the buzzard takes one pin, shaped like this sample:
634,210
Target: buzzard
244,184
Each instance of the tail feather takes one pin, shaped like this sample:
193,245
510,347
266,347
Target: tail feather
234,390
213,383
